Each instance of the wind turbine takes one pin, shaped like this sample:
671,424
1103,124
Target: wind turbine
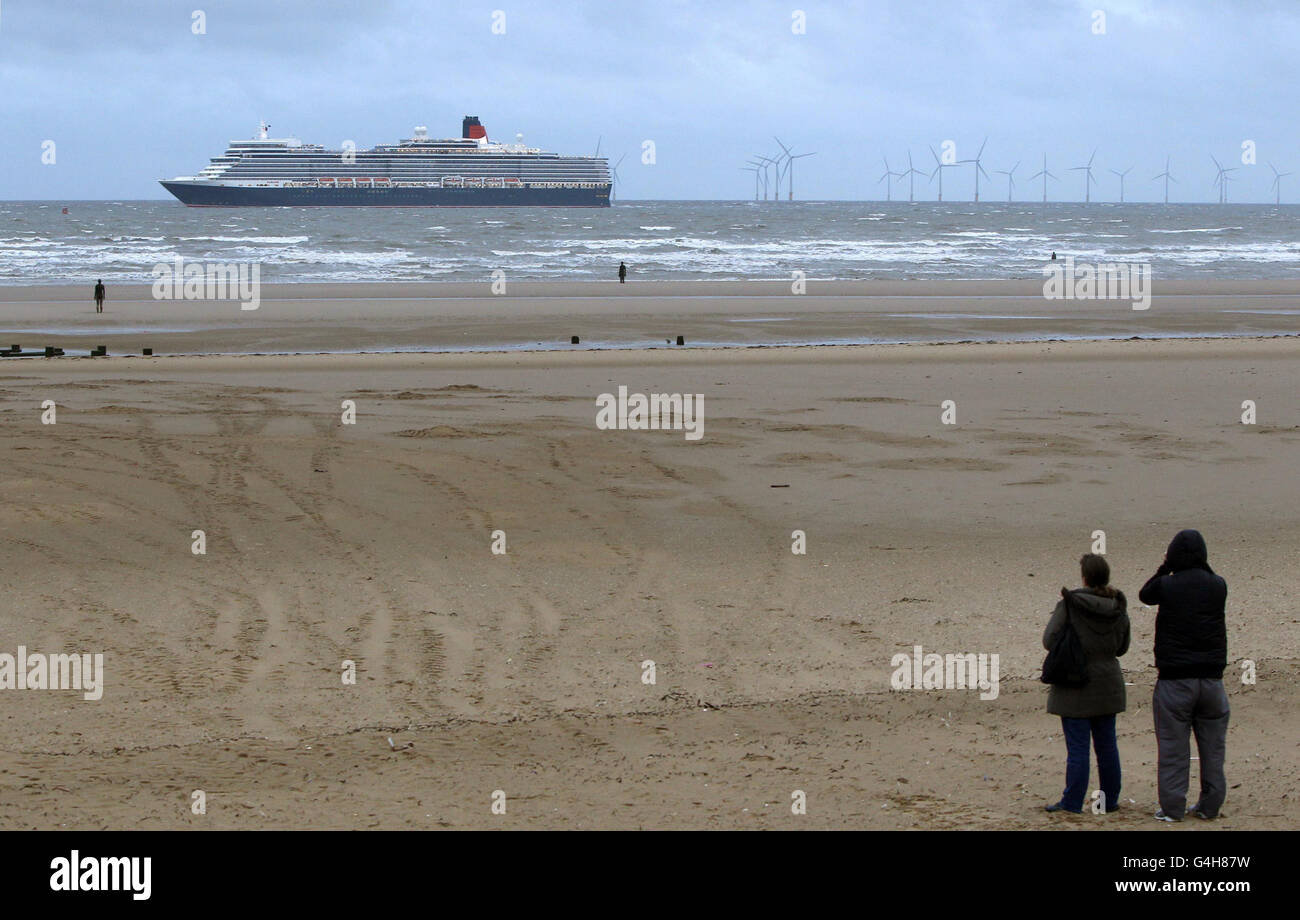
760,170
762,163
1046,175
978,169
1168,178
781,162
1226,180
889,174
754,170
938,170
779,168
789,164
613,173
1121,181
1221,179
767,163
1087,177
1277,182
911,172
1011,180
785,152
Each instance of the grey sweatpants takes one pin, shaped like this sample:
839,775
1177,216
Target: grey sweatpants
1198,705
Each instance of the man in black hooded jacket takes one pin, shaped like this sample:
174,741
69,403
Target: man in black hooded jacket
1191,653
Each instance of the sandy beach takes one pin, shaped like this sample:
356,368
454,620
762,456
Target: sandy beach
523,672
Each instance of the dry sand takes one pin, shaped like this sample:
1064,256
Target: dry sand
522,672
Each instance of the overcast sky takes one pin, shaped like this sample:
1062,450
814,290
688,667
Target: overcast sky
129,94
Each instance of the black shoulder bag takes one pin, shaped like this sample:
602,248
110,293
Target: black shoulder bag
1065,664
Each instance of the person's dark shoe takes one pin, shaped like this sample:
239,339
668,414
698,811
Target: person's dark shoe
1161,816
1196,810
1060,806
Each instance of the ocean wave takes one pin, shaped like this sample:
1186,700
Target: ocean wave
244,239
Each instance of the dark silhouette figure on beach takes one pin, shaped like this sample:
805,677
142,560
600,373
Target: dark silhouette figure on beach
99,296
1053,257
1191,655
622,272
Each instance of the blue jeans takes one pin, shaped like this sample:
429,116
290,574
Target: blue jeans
1077,732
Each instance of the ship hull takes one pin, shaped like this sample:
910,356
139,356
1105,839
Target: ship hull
199,194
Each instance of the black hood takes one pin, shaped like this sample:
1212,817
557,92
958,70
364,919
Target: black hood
1187,551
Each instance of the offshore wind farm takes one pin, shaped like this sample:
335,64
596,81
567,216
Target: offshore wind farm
1219,177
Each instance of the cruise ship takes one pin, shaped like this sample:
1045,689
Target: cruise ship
469,171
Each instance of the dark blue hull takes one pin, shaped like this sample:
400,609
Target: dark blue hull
198,195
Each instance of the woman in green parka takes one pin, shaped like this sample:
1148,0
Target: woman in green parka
1099,614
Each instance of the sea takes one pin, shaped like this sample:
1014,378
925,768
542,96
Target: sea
121,241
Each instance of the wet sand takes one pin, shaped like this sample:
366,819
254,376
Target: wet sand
311,318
